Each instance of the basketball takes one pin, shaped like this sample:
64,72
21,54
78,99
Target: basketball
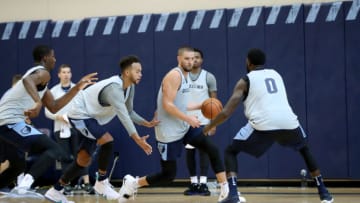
211,107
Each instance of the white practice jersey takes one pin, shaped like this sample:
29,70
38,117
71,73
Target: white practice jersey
170,128
199,92
57,91
86,103
266,105
17,100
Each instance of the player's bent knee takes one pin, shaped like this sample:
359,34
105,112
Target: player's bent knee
105,139
83,158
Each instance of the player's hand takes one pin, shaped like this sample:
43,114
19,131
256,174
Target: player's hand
206,130
34,111
212,131
152,123
144,145
193,121
88,79
61,118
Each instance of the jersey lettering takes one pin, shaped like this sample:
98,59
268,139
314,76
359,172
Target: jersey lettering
271,85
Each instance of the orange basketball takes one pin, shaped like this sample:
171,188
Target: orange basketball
211,107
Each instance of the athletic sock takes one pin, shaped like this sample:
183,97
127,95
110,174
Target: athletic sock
232,186
194,179
320,184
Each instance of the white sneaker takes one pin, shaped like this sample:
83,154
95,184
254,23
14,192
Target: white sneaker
25,184
128,188
20,178
224,191
106,189
242,199
56,196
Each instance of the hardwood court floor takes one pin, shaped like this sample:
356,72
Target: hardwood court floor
252,194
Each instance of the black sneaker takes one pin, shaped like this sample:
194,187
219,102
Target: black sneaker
88,188
203,190
68,190
192,190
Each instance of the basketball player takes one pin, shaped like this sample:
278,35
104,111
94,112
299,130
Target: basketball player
11,159
270,119
64,134
26,99
91,111
202,86
174,130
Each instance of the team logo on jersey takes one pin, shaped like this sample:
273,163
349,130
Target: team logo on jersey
25,130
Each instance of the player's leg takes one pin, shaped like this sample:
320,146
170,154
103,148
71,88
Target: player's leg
16,165
36,143
324,194
105,144
48,151
191,165
75,169
249,141
65,144
75,140
196,138
297,139
102,184
204,167
169,152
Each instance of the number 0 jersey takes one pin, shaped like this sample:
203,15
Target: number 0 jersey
266,105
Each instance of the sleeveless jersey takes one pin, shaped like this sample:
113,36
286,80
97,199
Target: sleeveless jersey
266,105
86,103
170,128
199,92
17,100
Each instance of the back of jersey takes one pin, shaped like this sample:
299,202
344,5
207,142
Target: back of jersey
267,106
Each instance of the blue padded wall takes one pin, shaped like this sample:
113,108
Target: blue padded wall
8,54
101,51
288,59
352,47
68,43
241,37
325,91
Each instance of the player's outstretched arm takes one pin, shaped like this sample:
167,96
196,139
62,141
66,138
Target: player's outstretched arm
55,105
230,106
141,141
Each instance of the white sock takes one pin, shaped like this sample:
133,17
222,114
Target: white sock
203,179
194,179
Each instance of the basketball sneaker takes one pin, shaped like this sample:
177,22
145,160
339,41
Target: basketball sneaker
193,189
56,196
326,198
224,192
25,184
203,190
128,188
105,189
87,187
